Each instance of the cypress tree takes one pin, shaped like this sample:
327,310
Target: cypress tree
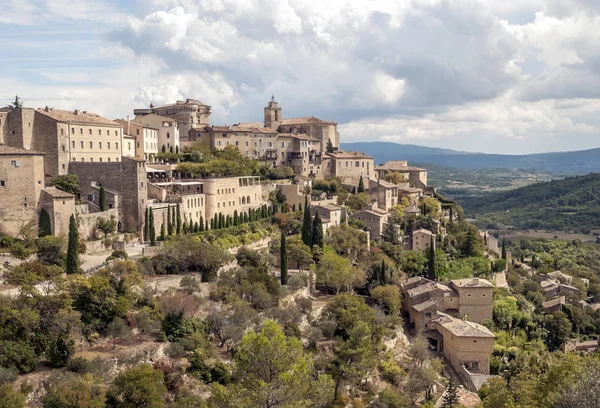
382,278
307,227
102,199
177,149
45,228
200,226
152,230
451,398
245,218
215,222
169,223
284,258
164,149
184,227
146,225
228,222
503,248
317,231
432,273
178,219
293,207
361,185
162,232
206,225
221,221
212,223
73,247
300,207
171,149
173,219
236,219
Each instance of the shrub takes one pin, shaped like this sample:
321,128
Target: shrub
79,365
7,375
118,254
391,372
60,351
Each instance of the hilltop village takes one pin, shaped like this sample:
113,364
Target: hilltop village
172,249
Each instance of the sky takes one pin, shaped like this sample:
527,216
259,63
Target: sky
514,77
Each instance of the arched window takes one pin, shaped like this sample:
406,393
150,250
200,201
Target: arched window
248,200
243,200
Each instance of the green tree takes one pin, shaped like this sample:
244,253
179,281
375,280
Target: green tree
67,182
361,185
335,271
169,221
307,225
284,258
61,351
413,262
102,198
317,231
106,225
162,232
178,220
141,386
9,398
146,224
389,298
17,103
273,370
329,148
359,201
117,329
152,231
45,228
73,391
431,264
503,248
451,398
73,247
299,253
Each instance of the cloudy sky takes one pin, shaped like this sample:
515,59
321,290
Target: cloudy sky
511,76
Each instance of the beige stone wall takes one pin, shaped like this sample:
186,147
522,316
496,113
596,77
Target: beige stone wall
294,194
226,195
60,210
168,130
350,169
192,208
91,143
21,185
475,303
458,350
3,126
145,143
374,223
86,223
421,241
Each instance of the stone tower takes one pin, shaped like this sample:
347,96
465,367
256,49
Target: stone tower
272,114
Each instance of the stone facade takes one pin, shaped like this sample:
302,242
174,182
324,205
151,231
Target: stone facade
348,166
332,215
60,206
375,220
145,140
421,240
128,178
167,133
416,176
188,114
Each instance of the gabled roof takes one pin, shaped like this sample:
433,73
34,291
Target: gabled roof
472,283
559,274
554,302
56,193
397,165
305,120
423,231
424,305
371,212
349,155
462,328
77,116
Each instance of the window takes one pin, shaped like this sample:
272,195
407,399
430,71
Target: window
108,145
100,145
82,144
129,145
116,133
428,314
109,159
90,131
99,132
282,144
116,146
100,159
138,145
81,131
107,132
91,145
64,167
63,148
62,132
246,143
2,183
237,143
137,131
168,135
357,164
72,131
82,159
73,144
91,159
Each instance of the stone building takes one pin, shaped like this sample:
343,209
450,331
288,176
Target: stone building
421,240
332,215
417,177
348,166
295,193
126,178
188,114
145,139
385,194
24,193
167,130
375,220
64,136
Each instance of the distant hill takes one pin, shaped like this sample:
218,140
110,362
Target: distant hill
580,162
569,204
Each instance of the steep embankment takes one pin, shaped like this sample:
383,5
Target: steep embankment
569,204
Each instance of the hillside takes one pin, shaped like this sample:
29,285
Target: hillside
580,162
569,204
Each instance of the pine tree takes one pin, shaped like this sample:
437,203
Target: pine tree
73,247
169,223
284,258
162,232
503,248
102,199
431,270
17,103
146,224
178,219
361,185
317,231
307,227
45,228
152,230
329,148
451,398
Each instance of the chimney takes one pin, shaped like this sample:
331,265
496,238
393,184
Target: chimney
84,112
475,281
128,125
76,111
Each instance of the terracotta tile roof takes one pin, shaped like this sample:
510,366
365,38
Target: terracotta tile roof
349,155
419,290
305,120
250,124
17,151
82,117
554,302
559,275
462,328
56,193
472,283
423,231
241,129
424,305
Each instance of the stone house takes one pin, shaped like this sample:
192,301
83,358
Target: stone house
575,345
188,114
375,220
561,277
348,166
139,138
295,193
168,130
417,177
385,194
331,214
554,305
411,211
24,193
421,240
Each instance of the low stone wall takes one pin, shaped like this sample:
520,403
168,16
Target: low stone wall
87,222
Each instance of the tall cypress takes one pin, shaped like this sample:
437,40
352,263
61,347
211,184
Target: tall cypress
317,231
102,199
178,219
173,219
382,277
73,247
45,228
152,230
236,219
162,232
206,225
245,218
146,225
432,272
200,226
361,185
504,248
307,227
284,258
169,223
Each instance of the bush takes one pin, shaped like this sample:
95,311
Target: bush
17,355
60,351
118,254
7,375
391,372
296,282
19,250
79,365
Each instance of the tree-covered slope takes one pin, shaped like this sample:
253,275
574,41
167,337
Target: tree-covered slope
569,204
